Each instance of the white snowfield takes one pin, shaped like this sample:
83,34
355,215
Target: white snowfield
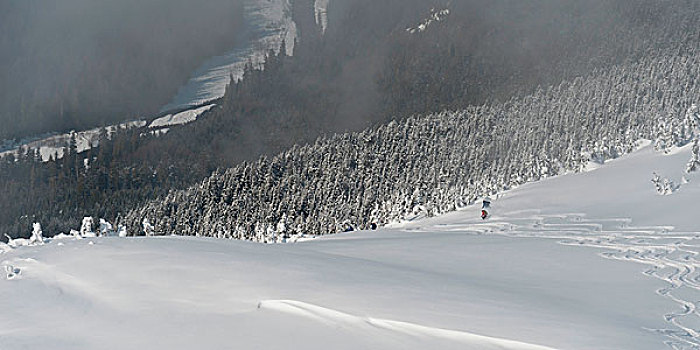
595,260
180,118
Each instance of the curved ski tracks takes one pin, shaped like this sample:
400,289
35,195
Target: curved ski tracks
672,257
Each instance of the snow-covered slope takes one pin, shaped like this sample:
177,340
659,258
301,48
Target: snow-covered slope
595,260
180,118
54,145
269,24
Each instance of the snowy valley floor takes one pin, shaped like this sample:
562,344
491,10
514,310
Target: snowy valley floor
595,260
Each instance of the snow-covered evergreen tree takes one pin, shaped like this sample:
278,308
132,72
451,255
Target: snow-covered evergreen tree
658,184
664,186
148,229
37,234
121,231
106,228
694,163
692,119
669,186
86,228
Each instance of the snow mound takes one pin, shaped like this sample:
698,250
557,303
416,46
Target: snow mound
180,118
370,325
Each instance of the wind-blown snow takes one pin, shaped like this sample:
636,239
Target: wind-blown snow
180,118
270,23
595,260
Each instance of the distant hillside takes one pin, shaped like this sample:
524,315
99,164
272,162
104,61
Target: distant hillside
428,165
77,64
367,68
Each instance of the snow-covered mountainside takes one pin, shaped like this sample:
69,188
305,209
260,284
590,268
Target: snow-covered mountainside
54,145
434,164
593,260
270,24
180,118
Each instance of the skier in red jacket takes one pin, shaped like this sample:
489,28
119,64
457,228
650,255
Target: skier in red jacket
485,205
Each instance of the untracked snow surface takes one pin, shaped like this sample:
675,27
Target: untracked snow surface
595,260
180,118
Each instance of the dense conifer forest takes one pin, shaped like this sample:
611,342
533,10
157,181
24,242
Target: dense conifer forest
587,81
429,165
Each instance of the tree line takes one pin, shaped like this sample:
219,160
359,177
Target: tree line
364,71
429,165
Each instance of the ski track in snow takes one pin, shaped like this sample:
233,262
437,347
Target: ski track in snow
673,257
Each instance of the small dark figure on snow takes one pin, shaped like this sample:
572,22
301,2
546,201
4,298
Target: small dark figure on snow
485,205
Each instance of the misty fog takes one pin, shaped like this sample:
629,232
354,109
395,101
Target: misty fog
80,63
